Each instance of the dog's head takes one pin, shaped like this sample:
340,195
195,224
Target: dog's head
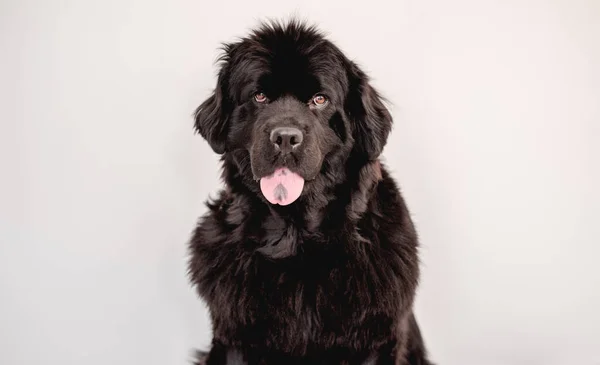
288,104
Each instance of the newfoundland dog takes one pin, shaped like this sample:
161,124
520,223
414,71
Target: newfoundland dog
308,255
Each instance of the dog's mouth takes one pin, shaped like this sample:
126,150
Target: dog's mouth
283,187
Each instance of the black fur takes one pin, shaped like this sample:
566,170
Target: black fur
331,278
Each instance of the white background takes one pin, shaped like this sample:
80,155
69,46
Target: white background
497,121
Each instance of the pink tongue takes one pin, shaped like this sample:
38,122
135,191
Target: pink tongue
283,187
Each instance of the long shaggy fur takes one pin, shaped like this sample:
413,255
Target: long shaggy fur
331,278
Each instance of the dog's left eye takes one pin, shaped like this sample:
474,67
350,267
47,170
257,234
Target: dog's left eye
260,98
320,100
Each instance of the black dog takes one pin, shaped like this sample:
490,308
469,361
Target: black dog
309,255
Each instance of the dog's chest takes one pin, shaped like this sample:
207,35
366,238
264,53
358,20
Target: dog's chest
327,292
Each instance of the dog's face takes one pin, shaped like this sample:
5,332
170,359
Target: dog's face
288,101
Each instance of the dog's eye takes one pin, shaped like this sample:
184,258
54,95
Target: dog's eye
260,98
320,100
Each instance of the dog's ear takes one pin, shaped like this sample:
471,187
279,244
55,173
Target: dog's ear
372,121
212,116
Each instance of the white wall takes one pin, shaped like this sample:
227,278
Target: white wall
497,116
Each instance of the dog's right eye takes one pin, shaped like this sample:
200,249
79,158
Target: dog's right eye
260,98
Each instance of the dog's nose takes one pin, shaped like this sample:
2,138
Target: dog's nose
286,138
